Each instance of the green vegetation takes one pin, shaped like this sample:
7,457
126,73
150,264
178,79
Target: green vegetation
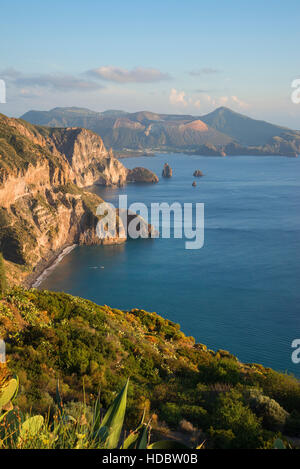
179,384
63,430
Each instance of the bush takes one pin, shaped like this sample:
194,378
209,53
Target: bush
232,414
273,415
222,439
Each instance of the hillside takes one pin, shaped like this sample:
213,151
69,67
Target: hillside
223,130
54,335
43,204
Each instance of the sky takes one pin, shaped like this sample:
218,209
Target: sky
164,56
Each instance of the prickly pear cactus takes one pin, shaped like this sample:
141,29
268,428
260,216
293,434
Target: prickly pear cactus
8,392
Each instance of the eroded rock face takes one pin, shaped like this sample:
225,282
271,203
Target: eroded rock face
88,158
167,171
38,226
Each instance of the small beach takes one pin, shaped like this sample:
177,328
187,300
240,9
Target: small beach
35,283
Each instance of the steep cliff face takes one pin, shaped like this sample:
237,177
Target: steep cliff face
90,161
36,227
43,206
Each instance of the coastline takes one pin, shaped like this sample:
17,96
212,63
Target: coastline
48,267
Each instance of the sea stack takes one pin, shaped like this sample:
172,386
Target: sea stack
167,171
141,175
198,173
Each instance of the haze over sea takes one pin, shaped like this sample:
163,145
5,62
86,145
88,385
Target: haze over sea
241,291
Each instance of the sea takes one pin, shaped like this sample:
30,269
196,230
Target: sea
240,291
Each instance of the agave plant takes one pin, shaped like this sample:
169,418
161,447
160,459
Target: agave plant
64,431
108,433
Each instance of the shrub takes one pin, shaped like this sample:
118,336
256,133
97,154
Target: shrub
222,439
232,414
273,415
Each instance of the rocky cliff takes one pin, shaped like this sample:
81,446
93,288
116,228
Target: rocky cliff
43,204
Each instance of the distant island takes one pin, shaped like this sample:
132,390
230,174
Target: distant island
219,133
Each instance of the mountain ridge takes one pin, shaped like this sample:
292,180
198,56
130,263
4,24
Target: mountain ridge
146,131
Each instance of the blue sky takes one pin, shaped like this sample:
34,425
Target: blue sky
163,56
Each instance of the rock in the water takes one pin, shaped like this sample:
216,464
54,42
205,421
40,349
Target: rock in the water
167,171
198,173
194,184
141,175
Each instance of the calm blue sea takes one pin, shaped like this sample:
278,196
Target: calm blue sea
241,291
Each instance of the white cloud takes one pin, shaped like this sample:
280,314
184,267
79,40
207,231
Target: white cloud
177,98
239,102
198,104
223,100
206,103
122,75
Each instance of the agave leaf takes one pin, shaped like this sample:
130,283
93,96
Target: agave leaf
97,413
8,392
102,434
59,399
130,441
113,420
201,445
143,438
137,439
17,388
142,419
168,444
31,426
